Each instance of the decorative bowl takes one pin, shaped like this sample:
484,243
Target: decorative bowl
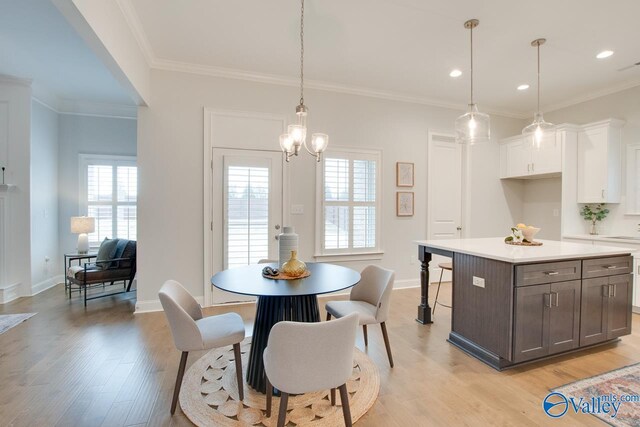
529,233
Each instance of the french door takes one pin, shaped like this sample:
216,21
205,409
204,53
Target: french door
247,210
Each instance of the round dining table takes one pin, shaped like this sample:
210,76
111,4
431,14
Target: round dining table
278,300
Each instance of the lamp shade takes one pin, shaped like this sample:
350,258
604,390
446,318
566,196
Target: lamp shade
83,224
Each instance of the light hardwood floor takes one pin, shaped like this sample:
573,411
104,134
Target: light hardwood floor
104,366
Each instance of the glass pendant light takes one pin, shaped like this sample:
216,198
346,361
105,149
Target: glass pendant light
473,126
538,127
296,135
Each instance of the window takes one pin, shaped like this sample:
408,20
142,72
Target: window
109,192
349,196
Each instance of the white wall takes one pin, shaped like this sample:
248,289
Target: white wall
86,135
540,198
621,105
44,198
16,96
170,141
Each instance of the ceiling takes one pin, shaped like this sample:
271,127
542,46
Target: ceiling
37,43
401,49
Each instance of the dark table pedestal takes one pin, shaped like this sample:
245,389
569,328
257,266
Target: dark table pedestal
271,310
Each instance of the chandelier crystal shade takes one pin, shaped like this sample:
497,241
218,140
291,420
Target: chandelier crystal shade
539,127
473,126
296,135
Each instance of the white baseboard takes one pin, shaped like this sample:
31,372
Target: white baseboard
407,283
636,309
9,293
46,284
150,306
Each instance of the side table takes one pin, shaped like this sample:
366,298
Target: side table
68,258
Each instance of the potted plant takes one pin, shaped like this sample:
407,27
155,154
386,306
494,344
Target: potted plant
594,214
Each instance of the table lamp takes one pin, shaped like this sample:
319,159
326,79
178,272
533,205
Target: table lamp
81,225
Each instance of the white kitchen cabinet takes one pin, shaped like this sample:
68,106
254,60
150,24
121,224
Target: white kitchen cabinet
600,162
521,158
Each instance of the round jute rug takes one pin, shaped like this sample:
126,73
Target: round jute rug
209,395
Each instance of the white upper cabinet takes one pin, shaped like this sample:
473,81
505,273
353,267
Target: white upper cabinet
599,162
521,158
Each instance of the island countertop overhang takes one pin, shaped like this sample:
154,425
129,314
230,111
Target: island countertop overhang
495,248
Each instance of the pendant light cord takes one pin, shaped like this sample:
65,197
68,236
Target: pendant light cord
538,77
471,32
302,52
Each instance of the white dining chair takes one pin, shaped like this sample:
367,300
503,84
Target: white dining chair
370,298
306,357
192,332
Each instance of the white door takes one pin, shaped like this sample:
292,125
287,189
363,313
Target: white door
445,194
247,210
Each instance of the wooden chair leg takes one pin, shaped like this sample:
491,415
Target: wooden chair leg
366,338
269,394
176,389
333,397
435,302
386,342
238,359
344,399
282,414
328,316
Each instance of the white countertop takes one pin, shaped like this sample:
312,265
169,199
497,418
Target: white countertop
602,238
496,248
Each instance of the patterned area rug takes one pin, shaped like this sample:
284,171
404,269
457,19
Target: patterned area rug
621,385
209,395
8,321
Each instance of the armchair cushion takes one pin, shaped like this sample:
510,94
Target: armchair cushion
366,311
106,252
219,331
96,274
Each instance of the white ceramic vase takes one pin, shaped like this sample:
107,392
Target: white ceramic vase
287,242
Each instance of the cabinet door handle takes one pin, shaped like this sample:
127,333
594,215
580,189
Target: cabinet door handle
547,300
557,298
603,194
551,273
528,167
615,287
533,167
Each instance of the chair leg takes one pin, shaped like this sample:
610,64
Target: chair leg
282,414
346,411
435,303
269,394
176,389
386,342
85,295
238,359
366,338
333,397
328,316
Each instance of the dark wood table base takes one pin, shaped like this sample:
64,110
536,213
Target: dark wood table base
271,310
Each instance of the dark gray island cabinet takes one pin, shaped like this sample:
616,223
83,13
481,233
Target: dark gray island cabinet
516,304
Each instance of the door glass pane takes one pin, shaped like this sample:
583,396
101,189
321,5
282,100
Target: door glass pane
247,216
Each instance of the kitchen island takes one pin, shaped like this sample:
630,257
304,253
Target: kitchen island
515,304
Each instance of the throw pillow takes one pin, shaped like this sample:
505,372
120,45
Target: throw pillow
106,252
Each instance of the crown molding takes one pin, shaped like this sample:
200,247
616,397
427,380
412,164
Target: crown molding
592,95
132,19
96,109
228,73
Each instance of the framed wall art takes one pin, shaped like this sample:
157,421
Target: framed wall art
404,174
404,203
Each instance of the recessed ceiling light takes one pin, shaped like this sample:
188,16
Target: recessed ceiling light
604,54
455,73
523,87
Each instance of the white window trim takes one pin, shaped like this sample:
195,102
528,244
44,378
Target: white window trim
349,254
84,160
